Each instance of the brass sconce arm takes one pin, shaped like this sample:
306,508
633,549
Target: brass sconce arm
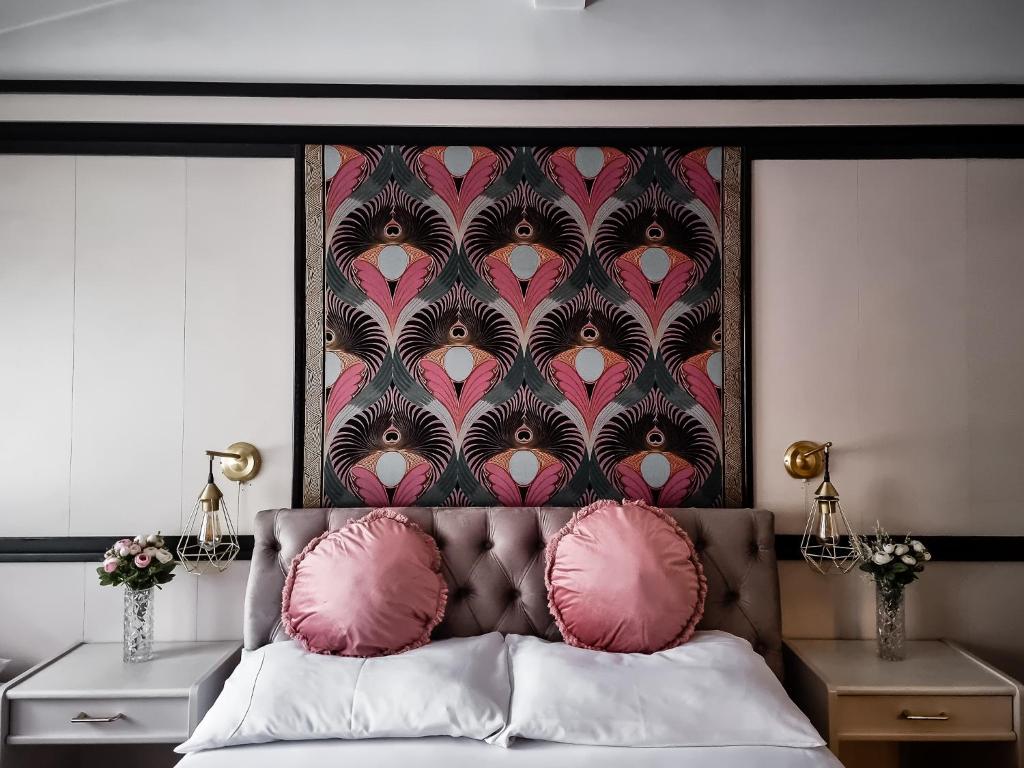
224,454
805,459
821,448
240,462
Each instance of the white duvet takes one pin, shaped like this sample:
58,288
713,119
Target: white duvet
444,752
713,691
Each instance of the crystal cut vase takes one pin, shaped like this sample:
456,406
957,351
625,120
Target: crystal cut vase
138,625
891,621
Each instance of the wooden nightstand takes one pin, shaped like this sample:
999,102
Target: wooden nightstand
880,713
87,695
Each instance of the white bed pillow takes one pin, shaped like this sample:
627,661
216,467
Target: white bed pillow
457,687
712,691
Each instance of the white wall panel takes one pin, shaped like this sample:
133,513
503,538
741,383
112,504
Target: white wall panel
219,603
37,266
176,607
129,323
104,608
927,422
995,335
165,269
42,609
911,389
894,341
240,325
804,276
886,317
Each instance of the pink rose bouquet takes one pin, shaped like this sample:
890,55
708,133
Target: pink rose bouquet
138,563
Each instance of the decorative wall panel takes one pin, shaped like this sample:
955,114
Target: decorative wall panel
523,326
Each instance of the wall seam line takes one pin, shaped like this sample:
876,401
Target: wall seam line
187,166
860,335
184,352
74,323
966,410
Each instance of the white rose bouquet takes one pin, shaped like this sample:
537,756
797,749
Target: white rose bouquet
138,563
892,564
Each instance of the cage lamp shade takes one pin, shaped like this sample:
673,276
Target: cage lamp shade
210,538
829,544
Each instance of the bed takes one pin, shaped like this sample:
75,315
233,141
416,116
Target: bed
493,563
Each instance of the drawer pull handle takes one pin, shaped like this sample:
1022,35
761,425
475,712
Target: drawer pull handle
905,715
82,717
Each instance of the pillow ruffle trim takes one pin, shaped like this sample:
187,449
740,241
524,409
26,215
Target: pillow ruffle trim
569,528
288,621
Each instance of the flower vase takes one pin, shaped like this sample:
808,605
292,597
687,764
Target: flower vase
891,621
138,625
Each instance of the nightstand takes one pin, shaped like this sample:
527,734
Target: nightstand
940,706
87,695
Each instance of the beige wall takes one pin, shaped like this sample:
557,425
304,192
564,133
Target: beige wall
887,318
146,314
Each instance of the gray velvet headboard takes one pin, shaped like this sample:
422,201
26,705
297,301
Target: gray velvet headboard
494,564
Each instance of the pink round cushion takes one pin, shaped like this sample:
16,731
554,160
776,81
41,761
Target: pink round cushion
624,577
371,588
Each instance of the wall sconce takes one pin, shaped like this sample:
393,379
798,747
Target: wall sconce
210,535
829,544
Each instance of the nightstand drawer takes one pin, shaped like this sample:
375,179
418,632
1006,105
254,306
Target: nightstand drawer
931,718
49,721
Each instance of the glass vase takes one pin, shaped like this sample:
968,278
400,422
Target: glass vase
891,621
137,643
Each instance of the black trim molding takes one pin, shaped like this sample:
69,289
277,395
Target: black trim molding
503,92
874,142
78,549
87,549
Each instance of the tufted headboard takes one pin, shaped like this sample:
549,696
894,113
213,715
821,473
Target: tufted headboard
494,564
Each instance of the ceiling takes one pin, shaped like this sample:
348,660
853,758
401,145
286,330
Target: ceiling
481,42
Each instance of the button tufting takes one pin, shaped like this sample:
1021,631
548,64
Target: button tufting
497,562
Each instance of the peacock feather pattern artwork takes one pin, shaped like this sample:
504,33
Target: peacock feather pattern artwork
522,326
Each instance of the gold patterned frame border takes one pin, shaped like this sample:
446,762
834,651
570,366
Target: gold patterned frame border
733,327
313,381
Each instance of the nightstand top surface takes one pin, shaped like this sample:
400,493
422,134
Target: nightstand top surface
96,670
931,666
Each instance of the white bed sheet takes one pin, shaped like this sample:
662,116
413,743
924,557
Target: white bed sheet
446,752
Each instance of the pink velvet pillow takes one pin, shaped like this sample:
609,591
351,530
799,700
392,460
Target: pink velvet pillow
372,588
624,577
